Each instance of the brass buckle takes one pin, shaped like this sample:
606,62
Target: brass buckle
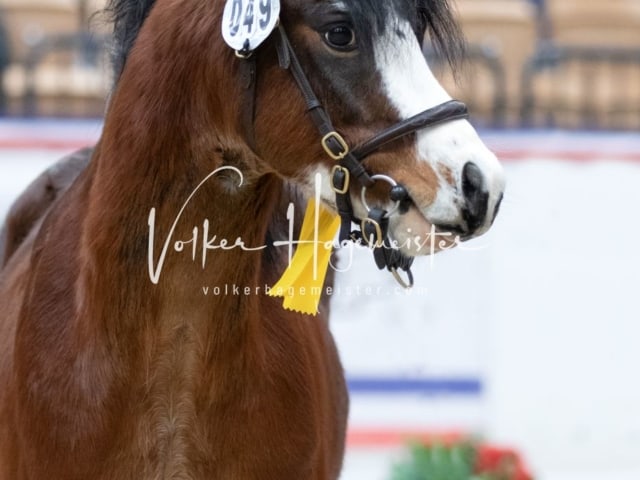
338,138
379,240
347,179
243,56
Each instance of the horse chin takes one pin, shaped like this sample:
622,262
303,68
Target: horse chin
417,236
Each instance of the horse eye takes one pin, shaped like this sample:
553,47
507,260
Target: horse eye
340,37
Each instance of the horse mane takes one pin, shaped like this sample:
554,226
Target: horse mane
433,16
127,17
437,17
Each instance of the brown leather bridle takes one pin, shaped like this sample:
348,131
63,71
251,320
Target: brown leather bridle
349,162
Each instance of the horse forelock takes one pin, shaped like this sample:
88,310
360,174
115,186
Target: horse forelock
372,17
439,20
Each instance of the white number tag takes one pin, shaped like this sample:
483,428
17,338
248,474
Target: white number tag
249,20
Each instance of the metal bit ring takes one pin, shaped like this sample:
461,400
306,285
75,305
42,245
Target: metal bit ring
390,181
406,284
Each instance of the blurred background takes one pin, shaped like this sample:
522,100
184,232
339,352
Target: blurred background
526,338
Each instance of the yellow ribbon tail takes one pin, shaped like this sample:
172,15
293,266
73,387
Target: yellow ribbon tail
302,282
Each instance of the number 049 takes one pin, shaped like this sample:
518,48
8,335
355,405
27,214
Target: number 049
244,16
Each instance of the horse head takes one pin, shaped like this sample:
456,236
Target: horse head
363,63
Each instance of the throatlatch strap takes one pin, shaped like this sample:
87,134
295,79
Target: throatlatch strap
249,79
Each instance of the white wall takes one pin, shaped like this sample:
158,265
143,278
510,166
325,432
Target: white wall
565,284
545,314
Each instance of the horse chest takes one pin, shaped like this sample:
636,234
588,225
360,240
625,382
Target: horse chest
233,416
167,430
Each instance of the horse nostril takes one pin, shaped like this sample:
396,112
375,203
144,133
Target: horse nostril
472,179
476,196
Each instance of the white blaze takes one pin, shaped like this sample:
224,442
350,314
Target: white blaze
412,88
409,82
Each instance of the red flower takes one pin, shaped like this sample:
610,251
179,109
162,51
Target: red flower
504,463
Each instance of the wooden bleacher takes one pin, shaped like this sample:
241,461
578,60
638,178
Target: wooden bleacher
501,35
587,75
574,64
58,58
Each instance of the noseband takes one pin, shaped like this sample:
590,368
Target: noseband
349,162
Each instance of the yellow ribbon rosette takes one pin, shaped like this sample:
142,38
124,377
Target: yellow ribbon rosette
302,282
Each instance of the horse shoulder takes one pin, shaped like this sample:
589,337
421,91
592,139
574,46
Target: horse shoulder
13,281
36,200
56,378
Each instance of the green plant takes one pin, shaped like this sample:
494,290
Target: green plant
463,460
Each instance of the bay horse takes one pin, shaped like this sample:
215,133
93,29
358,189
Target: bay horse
106,374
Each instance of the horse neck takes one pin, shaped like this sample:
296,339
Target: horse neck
139,166
175,236
171,122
